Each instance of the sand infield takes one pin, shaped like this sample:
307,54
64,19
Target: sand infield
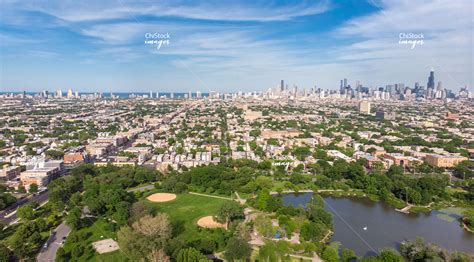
209,222
161,197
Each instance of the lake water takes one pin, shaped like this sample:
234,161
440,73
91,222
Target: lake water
386,227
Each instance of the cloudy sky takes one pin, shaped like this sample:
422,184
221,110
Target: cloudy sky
232,45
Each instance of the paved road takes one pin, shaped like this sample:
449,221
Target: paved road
48,254
40,198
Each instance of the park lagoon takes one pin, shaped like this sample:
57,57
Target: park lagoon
367,226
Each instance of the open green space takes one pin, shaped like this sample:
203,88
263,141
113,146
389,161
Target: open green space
186,210
98,230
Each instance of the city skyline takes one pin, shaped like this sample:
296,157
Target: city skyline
239,46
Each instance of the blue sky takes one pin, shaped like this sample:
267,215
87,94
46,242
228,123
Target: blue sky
231,45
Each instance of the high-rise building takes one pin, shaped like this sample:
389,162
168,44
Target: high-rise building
431,83
345,82
198,94
70,94
440,86
364,107
59,93
282,86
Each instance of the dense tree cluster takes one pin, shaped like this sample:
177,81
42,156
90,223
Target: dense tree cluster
6,199
217,179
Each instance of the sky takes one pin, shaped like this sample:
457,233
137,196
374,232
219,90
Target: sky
231,46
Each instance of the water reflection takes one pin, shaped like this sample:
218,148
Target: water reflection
385,226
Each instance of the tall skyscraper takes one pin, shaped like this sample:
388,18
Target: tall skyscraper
431,83
282,86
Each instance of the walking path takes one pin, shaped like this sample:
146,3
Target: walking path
220,197
241,200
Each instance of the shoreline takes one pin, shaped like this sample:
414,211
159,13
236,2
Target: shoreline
465,227
361,194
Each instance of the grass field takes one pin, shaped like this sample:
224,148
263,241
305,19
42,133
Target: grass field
100,229
186,209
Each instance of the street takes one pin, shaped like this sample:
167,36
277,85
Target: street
48,254
6,220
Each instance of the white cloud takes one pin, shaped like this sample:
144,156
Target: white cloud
81,11
446,26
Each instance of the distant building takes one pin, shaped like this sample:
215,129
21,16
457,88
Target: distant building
401,160
9,173
444,161
364,107
70,93
77,157
452,116
431,82
382,115
250,115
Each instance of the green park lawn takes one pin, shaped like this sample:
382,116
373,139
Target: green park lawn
186,210
99,230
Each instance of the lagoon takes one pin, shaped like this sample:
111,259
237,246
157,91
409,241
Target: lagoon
386,227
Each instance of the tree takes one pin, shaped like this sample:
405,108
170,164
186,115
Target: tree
147,235
26,212
395,170
158,256
390,256
313,231
190,255
264,226
33,188
158,225
73,218
6,255
6,199
348,255
21,189
274,251
468,218
55,154
61,255
464,169
237,248
330,254
228,211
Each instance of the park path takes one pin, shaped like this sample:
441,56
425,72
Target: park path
241,200
206,195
